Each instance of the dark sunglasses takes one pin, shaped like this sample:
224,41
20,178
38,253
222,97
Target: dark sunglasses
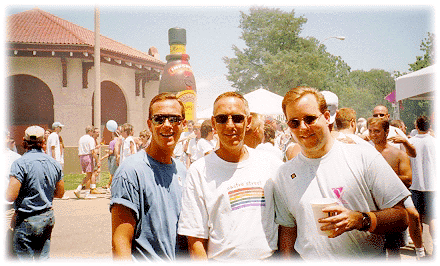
160,119
223,119
308,120
378,115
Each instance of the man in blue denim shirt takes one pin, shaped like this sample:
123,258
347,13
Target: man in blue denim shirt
35,179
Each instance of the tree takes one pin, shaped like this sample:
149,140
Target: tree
427,59
277,59
367,89
415,108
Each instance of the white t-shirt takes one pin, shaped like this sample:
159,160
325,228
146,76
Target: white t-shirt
204,146
358,140
357,176
270,148
192,149
423,165
125,148
231,205
54,141
86,145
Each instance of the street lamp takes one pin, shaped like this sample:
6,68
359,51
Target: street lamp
334,37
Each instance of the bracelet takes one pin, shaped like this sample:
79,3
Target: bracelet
373,221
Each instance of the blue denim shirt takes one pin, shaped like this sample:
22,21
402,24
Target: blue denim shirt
38,174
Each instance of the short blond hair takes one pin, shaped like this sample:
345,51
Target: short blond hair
296,93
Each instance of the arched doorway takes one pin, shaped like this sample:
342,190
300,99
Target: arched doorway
113,107
30,102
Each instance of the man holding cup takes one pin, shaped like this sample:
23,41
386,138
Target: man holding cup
369,194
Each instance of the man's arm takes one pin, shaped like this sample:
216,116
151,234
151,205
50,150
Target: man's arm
59,189
287,237
394,219
117,151
123,225
405,172
13,189
132,147
198,248
410,149
52,148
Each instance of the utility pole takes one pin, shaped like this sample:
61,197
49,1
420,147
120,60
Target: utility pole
97,64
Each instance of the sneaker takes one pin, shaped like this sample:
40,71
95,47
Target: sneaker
77,194
94,191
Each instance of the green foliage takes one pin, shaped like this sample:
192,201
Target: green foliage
427,59
415,108
277,59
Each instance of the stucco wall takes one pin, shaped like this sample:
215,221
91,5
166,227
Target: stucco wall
73,104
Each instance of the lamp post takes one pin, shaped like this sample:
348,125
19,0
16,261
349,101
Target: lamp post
334,37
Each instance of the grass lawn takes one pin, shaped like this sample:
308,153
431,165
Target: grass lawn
71,181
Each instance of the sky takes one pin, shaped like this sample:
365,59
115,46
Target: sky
376,37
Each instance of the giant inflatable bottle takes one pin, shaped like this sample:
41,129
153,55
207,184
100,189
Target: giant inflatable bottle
178,77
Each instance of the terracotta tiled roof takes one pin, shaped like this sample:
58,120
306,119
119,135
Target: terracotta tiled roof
39,27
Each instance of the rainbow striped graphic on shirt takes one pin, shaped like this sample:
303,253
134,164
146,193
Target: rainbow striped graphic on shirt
246,197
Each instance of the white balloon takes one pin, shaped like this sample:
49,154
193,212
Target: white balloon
112,125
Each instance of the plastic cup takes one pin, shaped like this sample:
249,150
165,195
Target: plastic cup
317,206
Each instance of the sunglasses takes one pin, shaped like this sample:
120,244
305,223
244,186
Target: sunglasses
308,120
378,115
160,119
223,119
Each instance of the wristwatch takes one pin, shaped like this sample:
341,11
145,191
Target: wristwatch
366,222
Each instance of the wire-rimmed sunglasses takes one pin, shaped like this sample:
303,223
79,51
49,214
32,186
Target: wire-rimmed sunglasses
308,120
223,119
160,119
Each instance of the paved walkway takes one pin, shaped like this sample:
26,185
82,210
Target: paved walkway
82,227
83,230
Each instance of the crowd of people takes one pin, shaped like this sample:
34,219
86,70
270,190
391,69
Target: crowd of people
238,186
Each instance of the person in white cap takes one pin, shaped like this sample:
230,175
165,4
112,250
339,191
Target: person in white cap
332,101
35,180
53,147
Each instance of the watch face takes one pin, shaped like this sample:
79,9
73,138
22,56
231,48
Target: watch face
366,222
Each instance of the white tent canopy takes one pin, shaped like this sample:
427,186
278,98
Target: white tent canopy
260,101
418,85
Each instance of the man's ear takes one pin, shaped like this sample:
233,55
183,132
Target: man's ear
327,116
149,124
249,122
184,123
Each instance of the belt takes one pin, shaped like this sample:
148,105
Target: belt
24,215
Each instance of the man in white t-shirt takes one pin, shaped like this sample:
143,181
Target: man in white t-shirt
192,146
227,205
346,125
369,194
207,143
424,174
88,157
53,147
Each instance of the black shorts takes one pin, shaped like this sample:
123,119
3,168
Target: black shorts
424,203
